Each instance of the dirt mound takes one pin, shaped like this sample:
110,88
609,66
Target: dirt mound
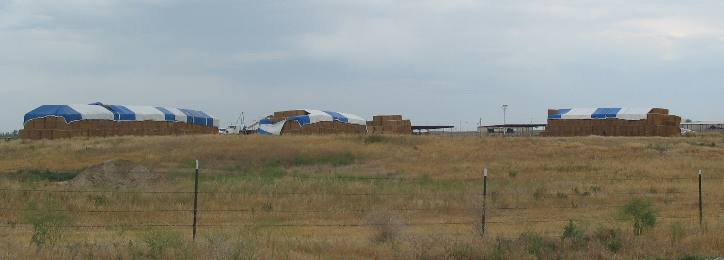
116,174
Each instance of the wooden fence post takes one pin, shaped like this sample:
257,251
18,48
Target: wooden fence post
196,197
701,201
485,195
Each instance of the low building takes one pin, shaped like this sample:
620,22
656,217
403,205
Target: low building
99,120
311,122
704,126
612,122
512,129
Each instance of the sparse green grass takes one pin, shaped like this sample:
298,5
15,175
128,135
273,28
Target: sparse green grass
535,186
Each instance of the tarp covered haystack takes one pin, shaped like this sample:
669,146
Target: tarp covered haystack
99,111
274,125
612,122
100,120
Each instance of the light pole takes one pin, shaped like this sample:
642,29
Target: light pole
505,110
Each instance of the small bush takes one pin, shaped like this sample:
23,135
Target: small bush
539,193
373,139
460,250
513,173
536,245
574,234
44,175
641,213
610,238
661,148
387,227
677,232
272,173
503,247
164,244
339,159
47,226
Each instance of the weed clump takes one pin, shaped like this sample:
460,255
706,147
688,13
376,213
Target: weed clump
373,139
387,226
641,213
611,238
162,244
575,235
44,175
536,245
47,226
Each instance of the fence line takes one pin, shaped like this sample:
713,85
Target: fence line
385,194
500,219
511,221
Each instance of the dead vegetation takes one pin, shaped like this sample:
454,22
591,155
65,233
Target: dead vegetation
352,197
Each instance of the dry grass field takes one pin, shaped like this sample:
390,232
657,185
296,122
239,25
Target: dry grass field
380,197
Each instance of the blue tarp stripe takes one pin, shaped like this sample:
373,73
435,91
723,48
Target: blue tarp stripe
602,113
121,113
560,114
262,132
189,115
302,120
68,113
208,118
168,116
265,121
337,116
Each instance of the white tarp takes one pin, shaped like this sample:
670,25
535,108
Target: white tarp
147,113
89,112
633,113
271,129
179,116
579,113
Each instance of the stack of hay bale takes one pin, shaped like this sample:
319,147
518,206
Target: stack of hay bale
334,123
56,128
67,121
657,122
389,124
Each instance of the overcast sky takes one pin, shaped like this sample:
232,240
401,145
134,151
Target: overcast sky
434,61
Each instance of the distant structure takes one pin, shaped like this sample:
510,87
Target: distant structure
100,120
512,129
612,122
311,122
704,126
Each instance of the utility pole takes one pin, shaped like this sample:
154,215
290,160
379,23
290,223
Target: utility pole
505,110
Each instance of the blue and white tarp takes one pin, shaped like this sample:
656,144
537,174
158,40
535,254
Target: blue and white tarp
267,127
70,113
602,113
73,113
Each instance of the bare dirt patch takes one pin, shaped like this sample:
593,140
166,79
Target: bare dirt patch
116,174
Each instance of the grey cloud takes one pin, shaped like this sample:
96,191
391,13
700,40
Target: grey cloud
436,61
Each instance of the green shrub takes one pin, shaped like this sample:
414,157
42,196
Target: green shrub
574,234
460,250
335,159
677,232
47,226
539,193
44,175
164,244
536,244
373,139
503,247
641,213
610,238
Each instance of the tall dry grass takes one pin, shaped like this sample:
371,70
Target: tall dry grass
286,189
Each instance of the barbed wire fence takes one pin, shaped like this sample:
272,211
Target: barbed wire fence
478,215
